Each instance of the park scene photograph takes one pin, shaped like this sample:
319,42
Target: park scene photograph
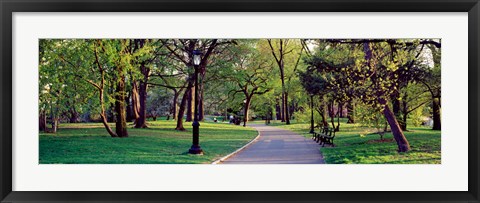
239,101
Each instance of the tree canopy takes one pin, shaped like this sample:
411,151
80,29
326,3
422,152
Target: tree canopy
382,81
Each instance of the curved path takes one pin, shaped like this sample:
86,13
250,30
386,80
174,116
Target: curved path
278,146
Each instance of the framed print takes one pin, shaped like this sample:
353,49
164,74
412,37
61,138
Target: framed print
162,101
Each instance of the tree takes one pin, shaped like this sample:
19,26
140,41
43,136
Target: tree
431,78
60,92
413,96
91,60
371,71
117,56
181,51
383,67
278,52
333,63
51,84
250,75
144,53
315,84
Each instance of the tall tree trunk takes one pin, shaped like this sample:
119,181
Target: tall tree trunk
135,101
129,107
405,115
54,124
245,110
142,113
402,142
174,104
312,122
120,110
339,110
287,116
103,116
142,93
330,110
226,115
42,121
437,125
324,116
53,119
283,93
269,115
332,114
351,112
280,62
74,115
181,110
201,107
278,110
190,105
397,111
404,112
101,88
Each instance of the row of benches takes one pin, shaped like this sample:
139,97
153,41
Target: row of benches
325,135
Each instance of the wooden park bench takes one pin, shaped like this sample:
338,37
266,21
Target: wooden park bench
318,134
325,136
315,134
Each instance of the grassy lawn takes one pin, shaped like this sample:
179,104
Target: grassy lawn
89,143
354,145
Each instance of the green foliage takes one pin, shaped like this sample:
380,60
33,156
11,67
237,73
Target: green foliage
368,116
417,117
159,102
60,92
313,82
305,116
72,73
371,117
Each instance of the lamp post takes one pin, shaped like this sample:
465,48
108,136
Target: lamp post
196,149
311,117
245,113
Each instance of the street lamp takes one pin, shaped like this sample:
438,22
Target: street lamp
196,149
245,113
311,117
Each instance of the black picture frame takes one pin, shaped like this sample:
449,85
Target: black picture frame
7,7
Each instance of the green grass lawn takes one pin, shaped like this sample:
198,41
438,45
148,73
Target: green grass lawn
354,145
89,143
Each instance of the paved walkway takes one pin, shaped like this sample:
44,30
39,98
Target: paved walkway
278,146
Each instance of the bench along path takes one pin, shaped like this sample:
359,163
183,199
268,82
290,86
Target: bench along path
278,146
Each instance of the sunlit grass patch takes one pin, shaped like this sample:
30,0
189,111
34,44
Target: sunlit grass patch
89,143
355,144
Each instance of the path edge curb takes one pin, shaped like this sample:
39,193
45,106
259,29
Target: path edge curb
238,150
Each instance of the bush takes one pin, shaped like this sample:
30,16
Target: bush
305,116
417,117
